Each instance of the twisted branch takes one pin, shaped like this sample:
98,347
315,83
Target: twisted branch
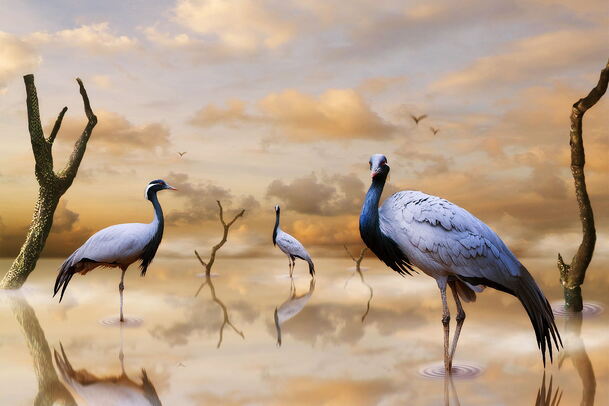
572,275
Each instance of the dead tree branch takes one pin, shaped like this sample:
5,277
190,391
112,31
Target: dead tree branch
572,275
359,259
207,265
52,185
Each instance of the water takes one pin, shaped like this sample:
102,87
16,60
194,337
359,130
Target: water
252,338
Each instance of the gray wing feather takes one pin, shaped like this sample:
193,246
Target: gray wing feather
291,245
440,235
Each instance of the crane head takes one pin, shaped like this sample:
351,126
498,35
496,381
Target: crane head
378,165
157,185
277,208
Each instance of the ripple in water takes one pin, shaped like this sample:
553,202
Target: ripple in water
130,322
590,309
460,370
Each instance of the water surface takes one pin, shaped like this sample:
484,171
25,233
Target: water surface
252,337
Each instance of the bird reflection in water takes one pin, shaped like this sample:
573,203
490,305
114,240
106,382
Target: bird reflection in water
108,390
225,316
548,396
291,307
50,389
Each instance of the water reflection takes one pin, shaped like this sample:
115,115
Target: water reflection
548,396
363,281
50,389
225,316
108,390
292,306
575,350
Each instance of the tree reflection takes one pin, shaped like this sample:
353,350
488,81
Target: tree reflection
361,278
292,306
575,350
225,316
115,389
50,389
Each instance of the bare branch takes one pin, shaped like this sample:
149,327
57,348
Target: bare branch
40,147
200,260
349,253
57,125
69,172
572,275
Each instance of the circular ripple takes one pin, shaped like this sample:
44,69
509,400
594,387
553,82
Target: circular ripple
460,370
590,309
115,322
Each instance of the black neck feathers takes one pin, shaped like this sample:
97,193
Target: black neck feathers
276,227
382,245
152,246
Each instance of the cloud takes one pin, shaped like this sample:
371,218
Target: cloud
64,218
243,25
539,56
335,114
201,200
377,85
17,58
334,195
95,38
114,134
232,115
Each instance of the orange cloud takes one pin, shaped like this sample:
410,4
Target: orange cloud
17,58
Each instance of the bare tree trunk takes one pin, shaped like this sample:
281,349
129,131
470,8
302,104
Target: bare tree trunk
50,389
572,275
52,184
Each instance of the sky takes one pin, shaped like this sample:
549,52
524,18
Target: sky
283,102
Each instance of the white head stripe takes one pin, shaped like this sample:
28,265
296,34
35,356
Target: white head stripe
149,186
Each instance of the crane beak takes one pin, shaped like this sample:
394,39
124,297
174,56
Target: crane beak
171,188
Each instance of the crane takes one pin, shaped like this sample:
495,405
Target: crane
118,246
290,246
413,229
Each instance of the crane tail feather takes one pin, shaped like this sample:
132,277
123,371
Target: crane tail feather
311,267
540,313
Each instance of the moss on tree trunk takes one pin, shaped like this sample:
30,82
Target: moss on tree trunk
52,185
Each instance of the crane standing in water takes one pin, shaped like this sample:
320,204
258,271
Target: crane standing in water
290,246
452,246
118,246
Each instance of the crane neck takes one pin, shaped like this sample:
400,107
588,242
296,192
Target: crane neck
369,216
276,228
158,211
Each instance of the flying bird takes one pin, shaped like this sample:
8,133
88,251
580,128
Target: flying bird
118,246
417,119
413,229
434,130
181,154
290,246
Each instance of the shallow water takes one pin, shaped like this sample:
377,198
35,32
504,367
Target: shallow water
251,338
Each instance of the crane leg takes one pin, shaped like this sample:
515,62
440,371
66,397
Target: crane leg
121,288
445,324
460,320
291,266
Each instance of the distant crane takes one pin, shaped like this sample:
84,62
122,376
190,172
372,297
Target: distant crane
417,119
118,246
434,130
290,246
181,154
452,246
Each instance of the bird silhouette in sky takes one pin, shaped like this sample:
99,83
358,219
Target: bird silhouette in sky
434,130
181,154
417,119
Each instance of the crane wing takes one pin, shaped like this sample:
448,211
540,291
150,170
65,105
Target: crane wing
291,245
437,234
121,243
